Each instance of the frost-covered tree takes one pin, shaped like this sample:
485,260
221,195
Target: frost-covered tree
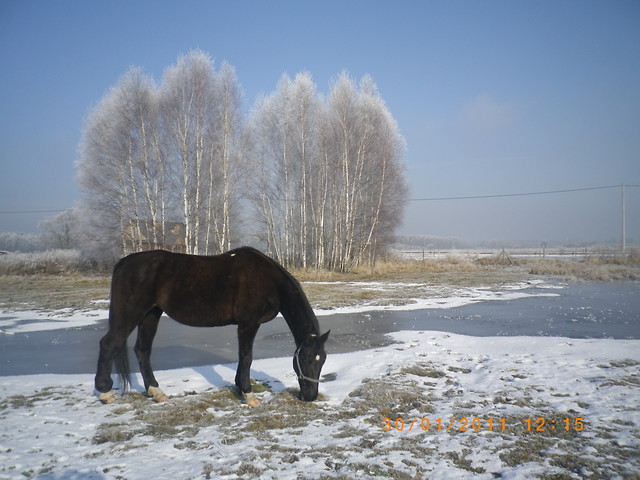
166,166
368,187
60,231
121,168
226,168
330,183
20,242
188,112
284,128
158,164
202,124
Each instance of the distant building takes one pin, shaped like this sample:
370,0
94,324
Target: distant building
140,236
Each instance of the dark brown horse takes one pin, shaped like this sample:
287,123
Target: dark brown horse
242,287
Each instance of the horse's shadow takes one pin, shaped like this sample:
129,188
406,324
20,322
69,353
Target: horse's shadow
216,380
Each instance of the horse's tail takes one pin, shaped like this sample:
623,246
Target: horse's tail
122,367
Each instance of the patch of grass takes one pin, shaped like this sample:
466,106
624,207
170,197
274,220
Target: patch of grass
458,369
181,416
381,471
185,416
628,381
460,460
388,397
41,292
620,364
593,268
29,401
423,370
113,433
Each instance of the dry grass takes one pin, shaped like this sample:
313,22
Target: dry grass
394,268
52,292
597,269
462,267
403,281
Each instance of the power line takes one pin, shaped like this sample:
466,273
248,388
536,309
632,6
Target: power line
31,211
472,197
547,192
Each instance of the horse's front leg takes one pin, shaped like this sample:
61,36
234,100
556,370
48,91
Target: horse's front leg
246,336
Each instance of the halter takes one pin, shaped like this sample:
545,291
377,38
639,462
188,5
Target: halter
301,376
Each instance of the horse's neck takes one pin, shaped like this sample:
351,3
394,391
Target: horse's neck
299,316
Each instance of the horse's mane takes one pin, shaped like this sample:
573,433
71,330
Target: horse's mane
294,289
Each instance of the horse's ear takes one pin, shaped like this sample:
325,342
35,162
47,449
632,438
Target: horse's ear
323,337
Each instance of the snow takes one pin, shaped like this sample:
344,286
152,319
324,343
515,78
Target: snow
446,297
53,427
36,321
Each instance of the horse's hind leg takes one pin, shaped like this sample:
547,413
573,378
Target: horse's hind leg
111,346
146,333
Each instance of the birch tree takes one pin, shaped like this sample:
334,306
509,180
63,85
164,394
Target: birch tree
188,109
120,173
305,113
201,114
347,167
285,127
269,131
225,168
330,184
383,190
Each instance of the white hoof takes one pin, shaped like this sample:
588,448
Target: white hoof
108,397
157,395
251,400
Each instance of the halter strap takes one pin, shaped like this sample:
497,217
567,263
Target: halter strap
302,376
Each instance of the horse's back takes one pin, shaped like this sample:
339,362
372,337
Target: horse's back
199,290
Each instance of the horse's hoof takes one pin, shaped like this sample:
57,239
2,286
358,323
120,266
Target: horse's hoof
251,400
157,395
107,397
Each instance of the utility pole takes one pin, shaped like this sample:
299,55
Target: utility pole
624,226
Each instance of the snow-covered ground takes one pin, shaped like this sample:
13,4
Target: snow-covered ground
431,405
419,296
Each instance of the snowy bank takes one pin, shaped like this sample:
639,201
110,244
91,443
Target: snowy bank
431,405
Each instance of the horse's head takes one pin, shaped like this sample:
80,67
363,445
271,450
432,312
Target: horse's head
307,362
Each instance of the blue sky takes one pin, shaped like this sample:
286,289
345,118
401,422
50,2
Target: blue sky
492,97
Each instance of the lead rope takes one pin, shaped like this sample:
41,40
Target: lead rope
301,376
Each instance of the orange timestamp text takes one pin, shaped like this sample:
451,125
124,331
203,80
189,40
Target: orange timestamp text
464,424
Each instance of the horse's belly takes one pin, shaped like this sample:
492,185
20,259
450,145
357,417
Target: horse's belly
203,322
201,318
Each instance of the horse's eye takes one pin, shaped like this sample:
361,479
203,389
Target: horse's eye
317,358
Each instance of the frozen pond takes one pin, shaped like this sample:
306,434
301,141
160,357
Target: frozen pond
583,310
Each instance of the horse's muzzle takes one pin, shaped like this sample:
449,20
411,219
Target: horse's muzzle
308,395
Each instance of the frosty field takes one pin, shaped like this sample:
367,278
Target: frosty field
428,405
